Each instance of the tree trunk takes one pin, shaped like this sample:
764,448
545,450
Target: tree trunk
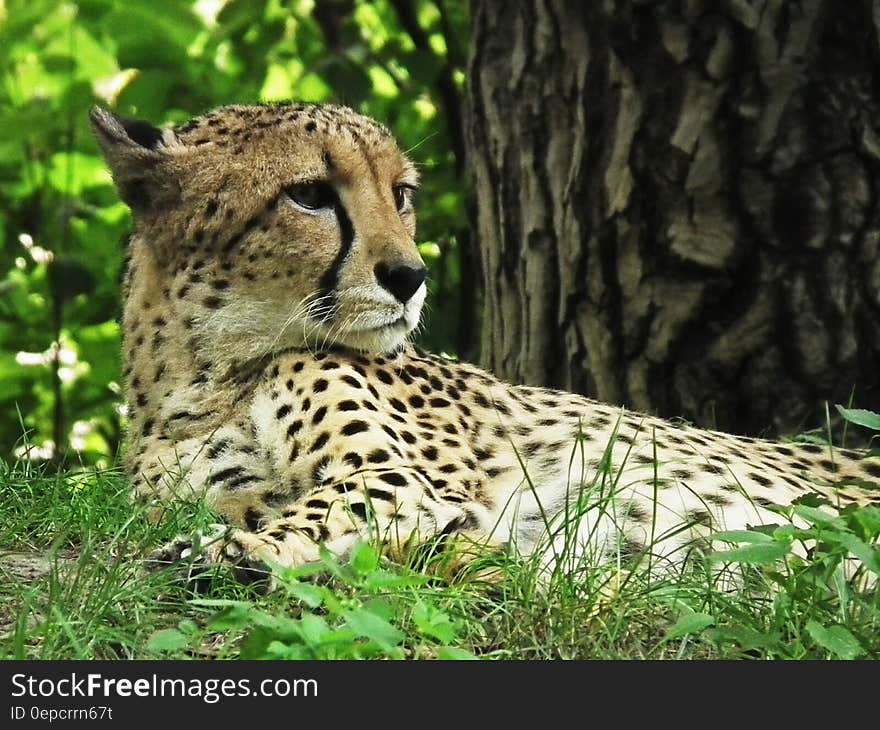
677,203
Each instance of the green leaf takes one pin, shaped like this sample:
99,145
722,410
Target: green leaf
367,624
453,653
279,650
433,622
757,554
836,639
311,595
380,580
693,623
257,642
314,628
868,554
365,558
235,614
167,640
747,639
818,517
187,626
308,570
813,499
860,417
866,519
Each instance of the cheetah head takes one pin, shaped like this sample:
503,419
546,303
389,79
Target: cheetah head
268,227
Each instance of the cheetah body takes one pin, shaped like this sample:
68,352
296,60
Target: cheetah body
268,371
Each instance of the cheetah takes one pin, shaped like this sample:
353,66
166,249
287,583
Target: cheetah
272,288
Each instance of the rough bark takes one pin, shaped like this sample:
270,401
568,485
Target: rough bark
677,204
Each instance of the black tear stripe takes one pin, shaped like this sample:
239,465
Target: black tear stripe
330,278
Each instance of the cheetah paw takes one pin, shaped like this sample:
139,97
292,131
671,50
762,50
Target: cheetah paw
245,553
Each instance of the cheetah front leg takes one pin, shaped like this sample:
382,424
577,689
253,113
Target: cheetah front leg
223,467
392,506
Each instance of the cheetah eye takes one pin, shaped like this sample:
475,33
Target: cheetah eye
403,195
312,195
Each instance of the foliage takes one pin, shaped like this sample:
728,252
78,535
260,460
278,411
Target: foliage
369,612
62,227
824,605
815,597
861,417
757,596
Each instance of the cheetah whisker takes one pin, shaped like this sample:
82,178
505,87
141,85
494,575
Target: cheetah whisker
305,311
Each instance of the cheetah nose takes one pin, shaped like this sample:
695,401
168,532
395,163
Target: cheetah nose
402,280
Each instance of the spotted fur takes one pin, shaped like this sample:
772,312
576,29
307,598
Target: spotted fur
272,286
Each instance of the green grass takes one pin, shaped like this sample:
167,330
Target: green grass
73,586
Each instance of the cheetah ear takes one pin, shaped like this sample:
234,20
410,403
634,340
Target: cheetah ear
134,151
